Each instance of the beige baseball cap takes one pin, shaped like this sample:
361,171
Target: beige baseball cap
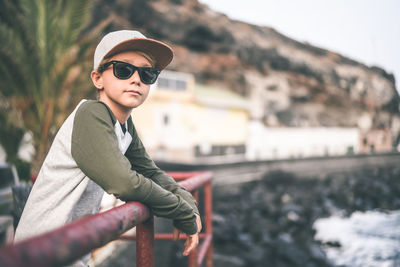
125,40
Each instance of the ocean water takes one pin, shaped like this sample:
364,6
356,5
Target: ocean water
367,239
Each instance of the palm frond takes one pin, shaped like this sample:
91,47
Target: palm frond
45,58
11,75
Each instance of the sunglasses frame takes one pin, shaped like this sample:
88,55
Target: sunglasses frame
134,68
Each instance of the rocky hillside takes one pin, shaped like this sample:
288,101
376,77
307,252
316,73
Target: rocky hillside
289,83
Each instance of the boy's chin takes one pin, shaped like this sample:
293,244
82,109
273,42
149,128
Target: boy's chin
132,105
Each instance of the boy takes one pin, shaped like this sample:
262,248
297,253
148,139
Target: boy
97,148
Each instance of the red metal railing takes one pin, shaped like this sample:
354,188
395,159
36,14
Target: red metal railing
70,242
145,236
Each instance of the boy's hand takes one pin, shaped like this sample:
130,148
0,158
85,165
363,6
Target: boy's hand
191,240
191,243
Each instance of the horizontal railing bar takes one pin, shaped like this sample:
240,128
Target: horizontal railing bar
196,181
179,176
72,241
162,236
166,236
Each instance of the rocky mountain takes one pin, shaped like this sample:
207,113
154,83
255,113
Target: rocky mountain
290,83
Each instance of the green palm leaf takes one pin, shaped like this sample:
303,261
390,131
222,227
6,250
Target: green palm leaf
44,56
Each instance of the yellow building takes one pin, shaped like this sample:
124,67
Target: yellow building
182,121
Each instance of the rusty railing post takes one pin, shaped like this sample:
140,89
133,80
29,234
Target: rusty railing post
145,243
193,256
208,222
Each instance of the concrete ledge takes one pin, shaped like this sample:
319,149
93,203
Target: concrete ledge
213,162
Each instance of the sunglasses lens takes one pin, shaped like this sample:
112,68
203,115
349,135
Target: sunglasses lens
148,75
123,70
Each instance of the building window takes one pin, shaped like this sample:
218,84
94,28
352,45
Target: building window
181,85
365,141
166,119
172,84
163,82
272,87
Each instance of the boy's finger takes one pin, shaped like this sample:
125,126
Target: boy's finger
175,235
190,244
188,249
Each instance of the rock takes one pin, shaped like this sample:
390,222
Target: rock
232,261
276,219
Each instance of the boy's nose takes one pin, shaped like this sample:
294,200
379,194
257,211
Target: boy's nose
135,78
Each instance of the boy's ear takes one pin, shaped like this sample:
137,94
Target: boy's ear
97,79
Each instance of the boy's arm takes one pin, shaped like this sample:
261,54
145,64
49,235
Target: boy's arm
95,150
142,163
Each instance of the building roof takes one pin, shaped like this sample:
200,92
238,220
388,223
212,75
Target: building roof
217,97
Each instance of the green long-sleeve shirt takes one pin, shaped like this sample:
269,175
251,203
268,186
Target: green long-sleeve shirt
89,156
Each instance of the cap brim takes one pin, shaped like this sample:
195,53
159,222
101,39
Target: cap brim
161,52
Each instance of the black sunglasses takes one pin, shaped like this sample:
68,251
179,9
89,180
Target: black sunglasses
123,71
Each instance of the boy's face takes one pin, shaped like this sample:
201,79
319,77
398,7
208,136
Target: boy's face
118,93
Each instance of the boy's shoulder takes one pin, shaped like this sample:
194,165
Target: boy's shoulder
94,109
95,105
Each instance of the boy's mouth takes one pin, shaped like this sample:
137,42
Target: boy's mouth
133,92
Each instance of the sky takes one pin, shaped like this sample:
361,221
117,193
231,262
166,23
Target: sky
364,30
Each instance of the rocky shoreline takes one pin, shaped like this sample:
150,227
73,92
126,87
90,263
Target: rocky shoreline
269,222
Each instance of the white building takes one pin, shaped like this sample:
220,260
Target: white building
281,143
